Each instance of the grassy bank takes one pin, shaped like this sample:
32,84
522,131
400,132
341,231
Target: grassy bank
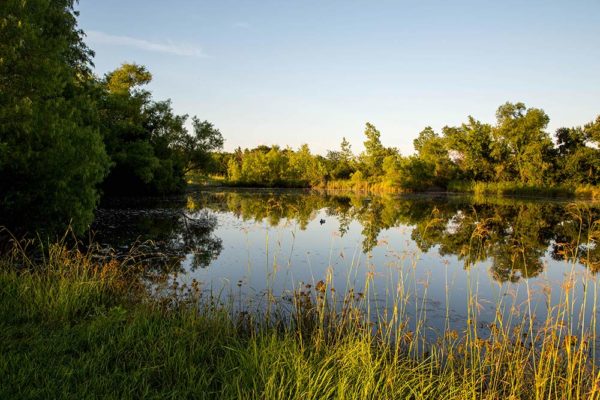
477,188
361,186
588,191
76,326
519,189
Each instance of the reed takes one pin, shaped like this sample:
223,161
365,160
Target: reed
588,191
513,189
361,186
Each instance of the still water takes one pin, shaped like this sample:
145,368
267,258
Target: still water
434,254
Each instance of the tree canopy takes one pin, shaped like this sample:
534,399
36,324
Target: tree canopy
52,156
67,136
149,145
516,150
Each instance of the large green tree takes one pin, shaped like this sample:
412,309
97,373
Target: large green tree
592,132
470,147
149,145
371,160
341,163
276,167
51,151
578,154
124,129
431,149
522,148
197,149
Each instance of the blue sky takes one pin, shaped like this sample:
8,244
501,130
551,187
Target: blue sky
293,72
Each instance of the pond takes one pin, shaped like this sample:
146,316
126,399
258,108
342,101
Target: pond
443,259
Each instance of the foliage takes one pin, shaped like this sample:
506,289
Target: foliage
51,153
578,154
470,146
371,160
341,164
522,147
431,150
198,148
272,166
218,163
430,168
148,144
62,129
515,156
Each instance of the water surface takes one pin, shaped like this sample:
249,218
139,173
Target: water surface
438,252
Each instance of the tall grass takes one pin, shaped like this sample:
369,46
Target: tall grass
512,188
361,186
520,189
76,325
477,188
588,191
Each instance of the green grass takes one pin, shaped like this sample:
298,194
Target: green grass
361,186
195,178
512,189
588,191
520,189
477,188
75,326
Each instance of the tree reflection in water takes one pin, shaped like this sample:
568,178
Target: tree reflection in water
512,234
163,232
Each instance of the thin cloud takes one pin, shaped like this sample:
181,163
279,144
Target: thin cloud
180,49
242,25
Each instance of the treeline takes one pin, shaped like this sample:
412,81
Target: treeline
516,150
67,136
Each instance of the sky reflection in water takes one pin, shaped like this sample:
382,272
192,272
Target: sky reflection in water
244,243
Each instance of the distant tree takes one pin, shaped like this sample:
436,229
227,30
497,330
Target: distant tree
276,167
414,173
431,149
304,168
392,169
149,145
578,155
51,153
372,158
470,147
234,170
124,127
516,149
197,148
346,150
219,160
341,163
425,138
568,140
262,148
522,149
592,132
127,78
